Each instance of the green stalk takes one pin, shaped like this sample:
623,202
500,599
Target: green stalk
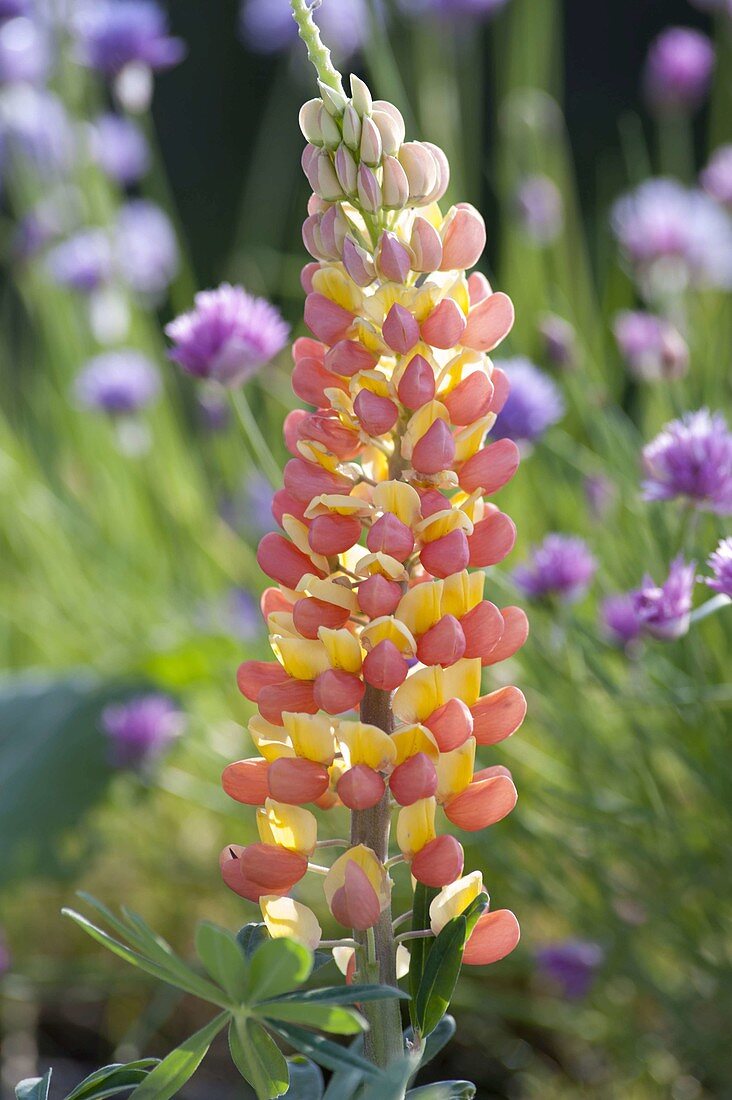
262,453
318,53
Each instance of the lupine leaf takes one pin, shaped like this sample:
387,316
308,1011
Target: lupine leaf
346,1080
277,966
444,1090
179,1066
341,1021
436,1040
34,1088
223,958
251,936
322,1050
343,995
258,1059
443,967
306,1079
111,1080
392,1081
419,949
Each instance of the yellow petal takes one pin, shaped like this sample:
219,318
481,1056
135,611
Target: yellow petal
342,647
454,899
380,563
462,592
318,452
420,422
442,523
330,591
340,504
361,743
420,607
272,742
289,919
419,695
335,284
409,740
369,864
388,629
281,622
373,380
470,439
416,826
298,533
302,658
458,369
374,463
291,827
398,498
455,770
462,681
311,735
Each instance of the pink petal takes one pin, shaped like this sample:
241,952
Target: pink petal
494,936
488,323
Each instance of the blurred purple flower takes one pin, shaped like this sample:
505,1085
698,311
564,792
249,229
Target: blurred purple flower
83,262
716,178
25,57
120,148
112,34
36,130
663,610
9,9
258,505
243,616
651,346
571,964
539,208
477,9
267,26
534,402
720,563
140,730
621,619
678,69
673,237
214,411
600,494
691,458
119,383
559,340
228,336
145,247
561,566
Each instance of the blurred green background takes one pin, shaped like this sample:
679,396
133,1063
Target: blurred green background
118,568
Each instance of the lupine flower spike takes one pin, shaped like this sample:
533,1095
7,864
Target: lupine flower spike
379,619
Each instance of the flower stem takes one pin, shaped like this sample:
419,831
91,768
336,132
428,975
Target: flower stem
318,53
715,604
260,448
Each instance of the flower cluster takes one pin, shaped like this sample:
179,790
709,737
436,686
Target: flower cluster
692,459
379,620
653,610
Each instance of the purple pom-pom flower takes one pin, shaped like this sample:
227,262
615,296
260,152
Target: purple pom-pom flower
112,34
720,563
228,336
716,178
146,248
534,402
621,619
540,209
83,262
562,567
651,346
120,148
678,69
664,610
571,964
119,383
25,56
140,730
36,130
691,458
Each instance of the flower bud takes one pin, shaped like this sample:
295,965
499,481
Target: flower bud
443,644
378,596
390,536
440,862
296,781
501,390
290,430
358,263
252,676
309,162
305,480
328,430
470,400
273,868
498,715
328,186
309,614
360,788
384,667
329,129
417,385
337,691
351,127
334,101
489,322
282,561
325,319
490,469
311,237
447,555
370,145
391,125
421,169
463,237
377,415
288,919
294,696
478,288
451,725
482,627
395,184
309,121
360,96
333,230
515,633
414,779
392,259
400,330
348,357
346,170
306,277
355,904
246,781
426,246
454,899
333,534
435,451
444,326
369,191
492,540
443,173
284,504
310,380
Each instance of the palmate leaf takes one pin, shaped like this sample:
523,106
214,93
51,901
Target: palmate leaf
323,1051
224,959
341,1021
343,995
112,1080
179,1066
277,966
251,936
258,1059
435,1041
34,1088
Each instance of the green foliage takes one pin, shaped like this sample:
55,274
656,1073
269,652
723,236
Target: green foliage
107,1081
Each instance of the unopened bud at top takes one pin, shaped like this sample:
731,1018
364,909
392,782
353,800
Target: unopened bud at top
333,101
310,121
370,147
361,96
391,126
351,127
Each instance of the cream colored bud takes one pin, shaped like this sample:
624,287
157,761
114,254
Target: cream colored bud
398,129
309,119
425,245
443,173
389,131
333,231
328,186
395,185
346,170
333,101
351,127
329,129
421,168
358,263
370,148
361,96
369,190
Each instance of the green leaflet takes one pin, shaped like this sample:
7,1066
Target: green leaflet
341,1021
306,1079
258,1058
223,958
442,968
322,1050
180,1065
419,949
343,995
111,1080
444,1090
277,966
34,1088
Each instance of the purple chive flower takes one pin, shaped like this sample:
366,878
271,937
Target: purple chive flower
112,34
716,179
559,340
267,26
691,458
476,9
120,148
140,730
534,402
36,130
146,248
571,964
678,69
562,566
83,262
651,346
673,237
539,209
720,563
9,9
24,54
228,336
118,383
663,610
621,619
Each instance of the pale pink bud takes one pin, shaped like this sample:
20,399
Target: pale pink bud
246,781
311,237
515,633
482,803
395,184
346,170
333,230
282,561
369,191
370,146
326,428
253,676
400,330
337,691
333,534
426,246
306,277
305,480
463,237
378,596
417,385
334,100
495,935
360,788
471,398
328,186
309,120
451,725
421,168
348,357
310,379
432,501
358,263
284,504
447,555
329,129
351,127
498,715
377,415
384,667
413,780
325,319
361,96
478,288
294,696
309,162
356,903
390,536
444,326
316,204
489,322
309,614
391,125
501,390
435,451
290,430
482,627
443,644
296,781
443,173
492,540
392,258
491,468
440,862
